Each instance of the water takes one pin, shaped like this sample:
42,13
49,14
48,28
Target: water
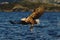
48,29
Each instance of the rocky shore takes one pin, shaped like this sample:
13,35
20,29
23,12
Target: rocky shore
27,7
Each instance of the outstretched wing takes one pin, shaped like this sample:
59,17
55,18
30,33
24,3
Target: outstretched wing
20,22
37,13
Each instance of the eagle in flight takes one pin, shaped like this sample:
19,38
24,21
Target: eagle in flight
32,18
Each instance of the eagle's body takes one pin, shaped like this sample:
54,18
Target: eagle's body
35,15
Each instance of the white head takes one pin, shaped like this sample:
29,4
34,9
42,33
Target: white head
23,19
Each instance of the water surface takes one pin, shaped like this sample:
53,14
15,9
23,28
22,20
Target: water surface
48,29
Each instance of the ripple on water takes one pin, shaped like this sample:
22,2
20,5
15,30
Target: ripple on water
48,29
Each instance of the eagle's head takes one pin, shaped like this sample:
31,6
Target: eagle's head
23,19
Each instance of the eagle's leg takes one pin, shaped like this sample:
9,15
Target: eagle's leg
32,24
31,27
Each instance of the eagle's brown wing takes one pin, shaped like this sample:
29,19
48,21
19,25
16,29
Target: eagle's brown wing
37,13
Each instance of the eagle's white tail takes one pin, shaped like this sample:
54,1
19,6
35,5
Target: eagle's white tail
38,21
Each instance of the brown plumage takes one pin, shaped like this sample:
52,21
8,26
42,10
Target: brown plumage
35,15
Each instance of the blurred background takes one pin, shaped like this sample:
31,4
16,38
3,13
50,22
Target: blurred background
28,5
